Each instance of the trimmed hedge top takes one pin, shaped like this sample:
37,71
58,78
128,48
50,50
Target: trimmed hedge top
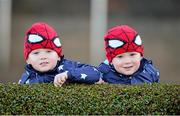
89,99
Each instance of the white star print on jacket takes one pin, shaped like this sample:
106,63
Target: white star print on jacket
60,67
83,76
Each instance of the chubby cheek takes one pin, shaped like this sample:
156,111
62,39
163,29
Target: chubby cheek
118,68
137,64
117,65
54,61
31,61
137,61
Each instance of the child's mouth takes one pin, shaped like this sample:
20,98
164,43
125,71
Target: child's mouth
128,68
44,63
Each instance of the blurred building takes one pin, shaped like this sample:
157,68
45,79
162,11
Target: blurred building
158,23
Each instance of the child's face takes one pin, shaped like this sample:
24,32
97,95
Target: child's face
43,60
127,63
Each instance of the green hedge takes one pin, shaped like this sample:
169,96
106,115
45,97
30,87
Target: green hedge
89,99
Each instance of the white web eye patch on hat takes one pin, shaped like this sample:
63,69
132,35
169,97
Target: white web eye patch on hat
33,38
138,40
115,43
57,42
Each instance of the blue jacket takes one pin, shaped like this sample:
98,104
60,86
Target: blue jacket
80,73
147,73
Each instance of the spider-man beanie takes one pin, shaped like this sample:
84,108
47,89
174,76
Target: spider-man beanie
121,39
41,35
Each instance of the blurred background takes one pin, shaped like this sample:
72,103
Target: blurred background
81,25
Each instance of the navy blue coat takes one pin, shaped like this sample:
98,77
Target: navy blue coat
80,73
147,73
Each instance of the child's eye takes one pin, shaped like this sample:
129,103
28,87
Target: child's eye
36,53
120,56
48,51
132,54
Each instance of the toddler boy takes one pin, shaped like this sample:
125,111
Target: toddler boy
45,60
125,62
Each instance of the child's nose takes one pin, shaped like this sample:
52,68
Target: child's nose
127,60
43,56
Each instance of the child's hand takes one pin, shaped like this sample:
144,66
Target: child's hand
100,82
60,79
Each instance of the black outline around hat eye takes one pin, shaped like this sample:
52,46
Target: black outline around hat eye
57,42
115,43
138,40
34,38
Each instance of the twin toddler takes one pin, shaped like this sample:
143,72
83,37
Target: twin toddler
124,64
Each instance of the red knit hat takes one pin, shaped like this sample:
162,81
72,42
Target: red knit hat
121,39
41,35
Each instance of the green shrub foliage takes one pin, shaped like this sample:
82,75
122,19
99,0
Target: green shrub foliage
45,99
